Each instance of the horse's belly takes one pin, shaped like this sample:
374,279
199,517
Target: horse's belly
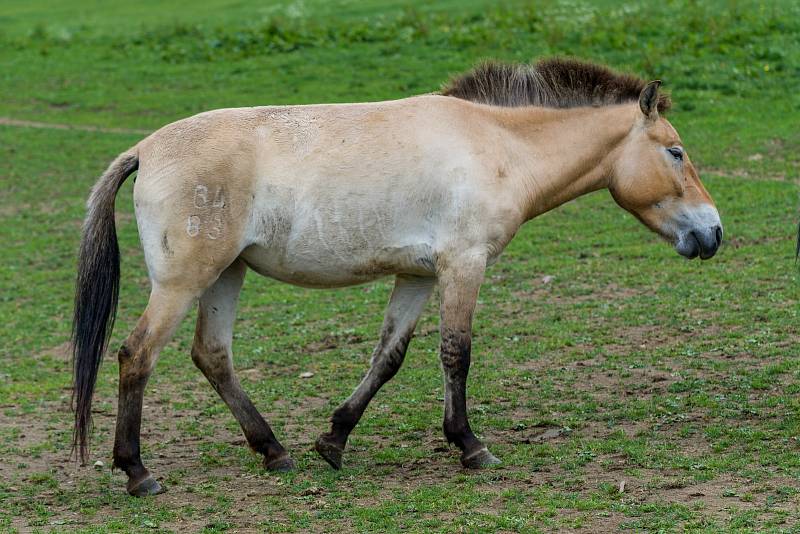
335,238
321,272
315,268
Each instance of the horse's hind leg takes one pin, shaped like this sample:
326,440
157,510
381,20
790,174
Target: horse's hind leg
212,354
405,306
137,357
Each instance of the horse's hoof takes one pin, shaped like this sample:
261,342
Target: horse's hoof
478,459
280,465
146,486
329,451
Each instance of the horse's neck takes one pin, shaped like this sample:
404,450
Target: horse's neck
565,153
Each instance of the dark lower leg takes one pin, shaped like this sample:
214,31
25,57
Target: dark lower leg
215,365
137,357
386,361
405,306
455,356
127,453
212,353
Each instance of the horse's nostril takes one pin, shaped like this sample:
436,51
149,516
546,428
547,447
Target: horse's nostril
718,234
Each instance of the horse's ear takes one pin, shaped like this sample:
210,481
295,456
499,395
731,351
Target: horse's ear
648,99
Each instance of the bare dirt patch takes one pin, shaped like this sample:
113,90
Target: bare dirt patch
333,341
197,474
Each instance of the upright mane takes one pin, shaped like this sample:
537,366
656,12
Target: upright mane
553,82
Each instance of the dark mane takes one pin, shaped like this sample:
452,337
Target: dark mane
554,83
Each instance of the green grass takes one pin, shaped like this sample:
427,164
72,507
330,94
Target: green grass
679,378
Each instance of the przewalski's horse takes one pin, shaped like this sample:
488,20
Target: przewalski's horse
429,189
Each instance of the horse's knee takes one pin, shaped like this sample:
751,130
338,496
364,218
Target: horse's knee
213,361
455,352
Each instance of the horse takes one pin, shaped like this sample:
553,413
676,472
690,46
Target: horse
429,189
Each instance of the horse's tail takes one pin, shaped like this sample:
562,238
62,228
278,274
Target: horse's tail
96,292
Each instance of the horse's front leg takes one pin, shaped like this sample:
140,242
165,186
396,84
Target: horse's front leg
459,285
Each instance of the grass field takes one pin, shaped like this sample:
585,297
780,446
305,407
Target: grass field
624,387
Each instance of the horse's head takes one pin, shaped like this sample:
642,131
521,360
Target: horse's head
655,181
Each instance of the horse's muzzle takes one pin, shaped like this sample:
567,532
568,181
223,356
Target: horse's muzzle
700,242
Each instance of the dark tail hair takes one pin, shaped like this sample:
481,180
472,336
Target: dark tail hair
96,293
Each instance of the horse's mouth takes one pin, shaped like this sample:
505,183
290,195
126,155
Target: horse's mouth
699,243
688,248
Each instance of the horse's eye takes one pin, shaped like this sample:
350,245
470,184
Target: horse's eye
677,152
